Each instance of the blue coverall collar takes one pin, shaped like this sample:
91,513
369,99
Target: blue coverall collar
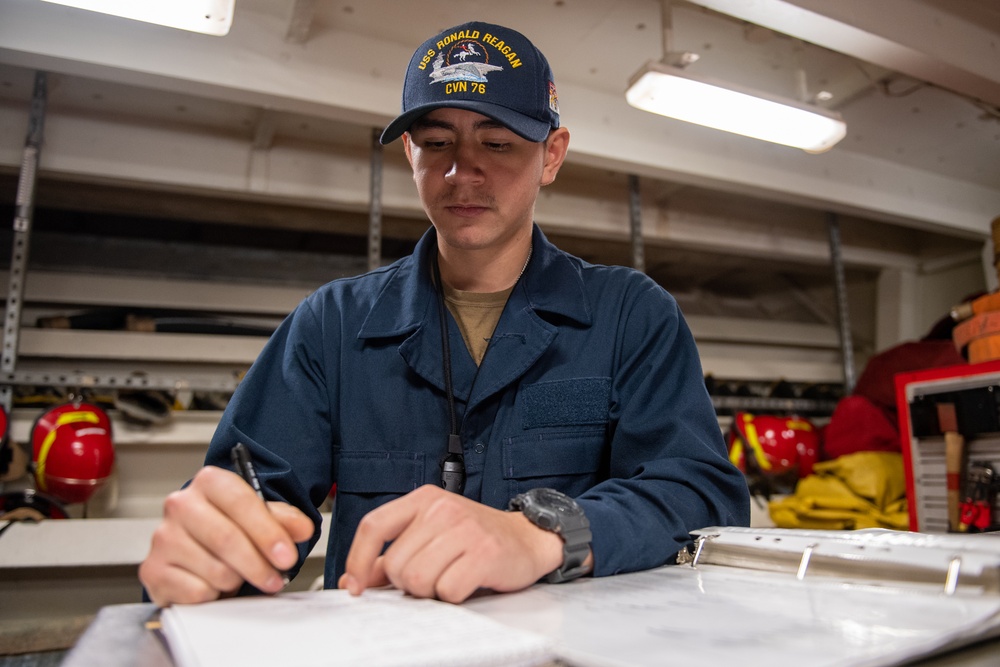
551,284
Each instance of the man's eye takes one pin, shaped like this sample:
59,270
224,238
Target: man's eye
434,143
498,146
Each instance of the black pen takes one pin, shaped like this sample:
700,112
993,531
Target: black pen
240,455
244,468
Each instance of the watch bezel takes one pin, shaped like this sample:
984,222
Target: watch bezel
556,512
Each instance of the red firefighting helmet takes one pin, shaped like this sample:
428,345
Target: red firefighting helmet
7,454
4,430
4,427
72,451
773,447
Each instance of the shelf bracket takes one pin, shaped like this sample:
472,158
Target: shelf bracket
843,315
375,208
24,208
635,224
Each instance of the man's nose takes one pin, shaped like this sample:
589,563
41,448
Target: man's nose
464,167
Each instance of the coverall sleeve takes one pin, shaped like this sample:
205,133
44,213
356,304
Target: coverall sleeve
669,469
281,412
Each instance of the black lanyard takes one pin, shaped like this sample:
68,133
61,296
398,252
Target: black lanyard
453,465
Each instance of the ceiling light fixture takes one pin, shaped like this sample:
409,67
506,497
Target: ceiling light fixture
211,17
672,91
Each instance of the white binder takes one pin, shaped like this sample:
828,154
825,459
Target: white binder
871,557
746,597
775,597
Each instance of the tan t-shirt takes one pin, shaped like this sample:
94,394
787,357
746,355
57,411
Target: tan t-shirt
477,314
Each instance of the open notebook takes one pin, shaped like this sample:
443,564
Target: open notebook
748,597
382,628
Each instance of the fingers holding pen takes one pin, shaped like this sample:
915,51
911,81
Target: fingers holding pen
179,569
256,538
274,545
224,517
216,534
298,526
182,565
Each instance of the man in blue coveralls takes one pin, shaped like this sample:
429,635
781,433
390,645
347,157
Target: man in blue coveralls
492,410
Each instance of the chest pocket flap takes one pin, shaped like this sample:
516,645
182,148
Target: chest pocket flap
554,454
380,472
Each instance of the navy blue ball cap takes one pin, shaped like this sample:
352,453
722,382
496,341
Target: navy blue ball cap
484,68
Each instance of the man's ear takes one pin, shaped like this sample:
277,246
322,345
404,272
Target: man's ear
407,148
556,146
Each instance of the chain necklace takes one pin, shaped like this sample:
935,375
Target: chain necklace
531,248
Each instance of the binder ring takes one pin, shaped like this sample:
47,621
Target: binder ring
951,581
699,546
804,561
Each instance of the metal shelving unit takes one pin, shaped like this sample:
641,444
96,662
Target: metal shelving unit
61,371
22,232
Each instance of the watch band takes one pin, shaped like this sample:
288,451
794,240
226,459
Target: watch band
574,558
554,511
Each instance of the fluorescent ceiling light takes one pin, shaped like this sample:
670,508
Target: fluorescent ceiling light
673,92
212,17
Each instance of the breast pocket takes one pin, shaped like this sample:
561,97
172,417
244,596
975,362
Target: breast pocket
565,426
366,480
379,473
570,461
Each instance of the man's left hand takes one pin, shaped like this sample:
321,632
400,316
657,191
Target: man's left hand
446,546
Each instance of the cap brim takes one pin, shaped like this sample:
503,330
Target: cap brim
521,125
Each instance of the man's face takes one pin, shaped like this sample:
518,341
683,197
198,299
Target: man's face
477,180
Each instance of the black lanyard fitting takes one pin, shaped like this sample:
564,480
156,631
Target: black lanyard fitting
453,466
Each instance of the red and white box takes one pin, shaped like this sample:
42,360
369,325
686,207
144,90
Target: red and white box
924,451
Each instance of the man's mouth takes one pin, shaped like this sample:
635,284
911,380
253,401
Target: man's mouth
466,210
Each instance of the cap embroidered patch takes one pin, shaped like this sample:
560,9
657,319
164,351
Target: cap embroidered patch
464,62
484,68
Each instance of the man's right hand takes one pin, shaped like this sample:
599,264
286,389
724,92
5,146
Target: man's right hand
215,535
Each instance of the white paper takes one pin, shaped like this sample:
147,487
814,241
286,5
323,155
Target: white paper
716,615
675,615
381,628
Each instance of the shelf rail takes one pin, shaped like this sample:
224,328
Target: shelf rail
23,214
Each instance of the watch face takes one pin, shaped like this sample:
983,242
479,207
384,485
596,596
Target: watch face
551,510
556,501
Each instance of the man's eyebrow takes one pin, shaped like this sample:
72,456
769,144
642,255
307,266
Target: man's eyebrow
425,123
490,124
429,123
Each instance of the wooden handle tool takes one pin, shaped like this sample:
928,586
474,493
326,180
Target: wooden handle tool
954,457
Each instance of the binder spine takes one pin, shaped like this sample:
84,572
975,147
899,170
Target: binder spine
886,558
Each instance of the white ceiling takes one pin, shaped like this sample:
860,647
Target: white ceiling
916,181
891,115
918,82
599,45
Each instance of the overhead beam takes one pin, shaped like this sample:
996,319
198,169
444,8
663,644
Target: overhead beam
263,134
300,21
914,38
254,66
109,291
138,346
315,177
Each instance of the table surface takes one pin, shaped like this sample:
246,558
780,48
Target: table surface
118,638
